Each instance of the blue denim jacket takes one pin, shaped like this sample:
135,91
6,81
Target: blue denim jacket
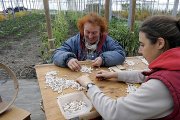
110,51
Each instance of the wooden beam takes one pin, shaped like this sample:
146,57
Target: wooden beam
175,7
131,16
107,10
48,24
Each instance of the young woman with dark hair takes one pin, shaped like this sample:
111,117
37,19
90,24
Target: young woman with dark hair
158,97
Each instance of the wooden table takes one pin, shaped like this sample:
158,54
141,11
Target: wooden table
113,89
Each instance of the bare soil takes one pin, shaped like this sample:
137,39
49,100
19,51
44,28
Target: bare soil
21,55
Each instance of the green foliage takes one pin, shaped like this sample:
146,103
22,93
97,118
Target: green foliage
20,26
72,18
140,14
119,30
44,47
125,6
2,17
11,16
60,29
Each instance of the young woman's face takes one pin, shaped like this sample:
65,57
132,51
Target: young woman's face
91,33
147,49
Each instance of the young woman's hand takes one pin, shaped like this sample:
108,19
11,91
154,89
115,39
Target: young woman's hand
74,65
106,75
84,80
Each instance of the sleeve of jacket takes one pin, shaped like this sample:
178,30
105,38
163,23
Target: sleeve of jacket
65,52
151,100
114,53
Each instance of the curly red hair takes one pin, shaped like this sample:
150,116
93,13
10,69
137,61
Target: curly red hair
95,20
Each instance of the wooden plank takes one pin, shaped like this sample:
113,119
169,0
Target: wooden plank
120,67
115,69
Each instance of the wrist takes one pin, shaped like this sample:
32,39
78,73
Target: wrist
89,85
67,61
115,75
103,60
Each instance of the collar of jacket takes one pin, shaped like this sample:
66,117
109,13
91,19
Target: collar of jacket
100,44
166,61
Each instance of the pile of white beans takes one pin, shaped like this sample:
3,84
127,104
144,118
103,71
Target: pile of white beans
74,106
59,84
86,69
143,59
131,88
129,62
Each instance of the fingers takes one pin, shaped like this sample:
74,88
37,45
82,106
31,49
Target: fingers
101,75
101,78
97,62
74,65
101,71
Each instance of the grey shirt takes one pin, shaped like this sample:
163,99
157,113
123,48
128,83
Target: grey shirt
151,100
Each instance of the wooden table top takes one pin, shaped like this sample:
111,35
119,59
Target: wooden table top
110,88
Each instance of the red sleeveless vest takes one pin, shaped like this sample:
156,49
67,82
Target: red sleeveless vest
171,79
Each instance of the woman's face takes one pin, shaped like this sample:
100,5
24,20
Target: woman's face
148,50
91,33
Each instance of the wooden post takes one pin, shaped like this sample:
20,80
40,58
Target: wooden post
175,7
167,3
13,13
99,10
4,9
49,28
110,10
107,10
29,4
131,15
0,99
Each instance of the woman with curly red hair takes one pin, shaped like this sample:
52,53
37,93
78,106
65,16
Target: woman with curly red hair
91,43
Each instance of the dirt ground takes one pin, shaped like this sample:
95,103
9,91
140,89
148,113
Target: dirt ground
21,55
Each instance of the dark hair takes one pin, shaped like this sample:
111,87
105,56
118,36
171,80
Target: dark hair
167,27
94,19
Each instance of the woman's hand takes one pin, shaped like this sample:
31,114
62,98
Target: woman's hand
106,75
97,62
74,65
84,80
